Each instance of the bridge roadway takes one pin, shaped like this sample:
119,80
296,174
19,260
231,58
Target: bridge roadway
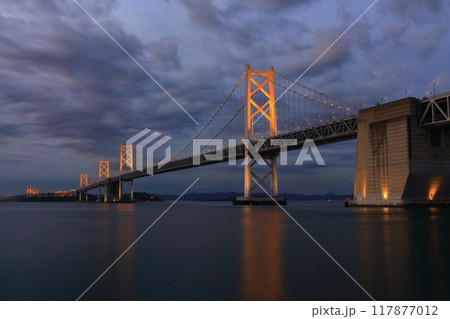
331,132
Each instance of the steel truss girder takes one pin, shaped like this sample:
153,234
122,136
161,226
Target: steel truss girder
435,111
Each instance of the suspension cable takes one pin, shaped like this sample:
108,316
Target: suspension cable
310,89
210,120
226,125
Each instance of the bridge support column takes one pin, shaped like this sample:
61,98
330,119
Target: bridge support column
111,192
260,105
126,191
272,188
100,194
106,193
116,192
247,178
274,182
83,196
400,161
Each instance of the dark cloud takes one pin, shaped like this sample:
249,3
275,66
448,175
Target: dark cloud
205,13
165,51
416,8
281,4
426,42
65,77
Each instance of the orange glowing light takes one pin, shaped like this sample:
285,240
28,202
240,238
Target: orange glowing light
434,186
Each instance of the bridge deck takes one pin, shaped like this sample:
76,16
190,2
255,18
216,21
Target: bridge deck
331,132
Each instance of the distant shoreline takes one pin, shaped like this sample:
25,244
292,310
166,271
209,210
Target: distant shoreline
199,197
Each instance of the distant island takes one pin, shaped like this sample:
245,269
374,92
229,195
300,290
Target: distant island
147,197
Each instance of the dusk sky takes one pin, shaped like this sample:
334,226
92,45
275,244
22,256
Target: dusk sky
69,96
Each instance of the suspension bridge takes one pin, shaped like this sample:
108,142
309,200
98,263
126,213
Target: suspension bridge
396,148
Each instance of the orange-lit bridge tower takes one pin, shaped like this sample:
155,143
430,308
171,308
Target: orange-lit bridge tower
83,183
32,190
121,189
260,122
126,190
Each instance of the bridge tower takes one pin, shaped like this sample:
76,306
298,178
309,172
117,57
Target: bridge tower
32,190
260,106
103,173
126,190
120,188
83,183
103,169
83,180
126,157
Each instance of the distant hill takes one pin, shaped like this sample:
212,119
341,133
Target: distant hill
17,198
228,196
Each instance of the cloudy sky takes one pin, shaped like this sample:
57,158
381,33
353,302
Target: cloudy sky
70,96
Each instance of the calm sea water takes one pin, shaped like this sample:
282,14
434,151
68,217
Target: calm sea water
216,251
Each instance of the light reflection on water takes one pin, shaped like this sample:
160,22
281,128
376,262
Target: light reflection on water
262,254
119,234
214,251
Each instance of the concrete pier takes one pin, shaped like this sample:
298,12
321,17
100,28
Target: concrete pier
398,161
255,200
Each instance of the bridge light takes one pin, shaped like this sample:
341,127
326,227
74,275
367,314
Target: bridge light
434,88
434,186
